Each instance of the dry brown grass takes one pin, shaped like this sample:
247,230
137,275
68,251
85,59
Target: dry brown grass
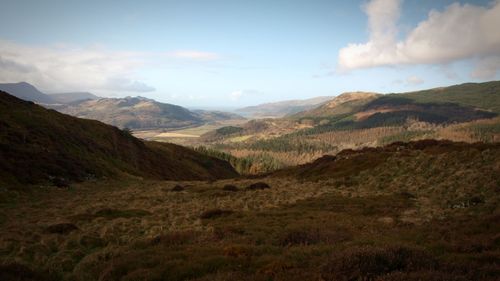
418,216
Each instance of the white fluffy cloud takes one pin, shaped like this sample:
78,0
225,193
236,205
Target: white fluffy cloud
459,32
97,69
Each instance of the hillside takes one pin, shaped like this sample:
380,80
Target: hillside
349,164
360,119
133,113
73,96
27,92
485,95
215,115
343,104
38,145
281,108
419,211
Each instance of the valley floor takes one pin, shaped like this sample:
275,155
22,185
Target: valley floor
295,230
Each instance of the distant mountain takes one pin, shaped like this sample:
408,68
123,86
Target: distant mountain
342,104
50,145
454,104
27,92
133,113
73,96
215,115
282,108
419,113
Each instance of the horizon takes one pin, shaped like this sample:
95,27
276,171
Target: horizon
232,54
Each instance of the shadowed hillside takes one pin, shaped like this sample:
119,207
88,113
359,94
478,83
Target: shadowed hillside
38,145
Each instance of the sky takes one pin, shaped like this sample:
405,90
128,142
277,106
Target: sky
233,53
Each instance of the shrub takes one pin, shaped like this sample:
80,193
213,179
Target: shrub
230,187
258,186
178,188
61,228
214,213
310,236
173,238
369,262
300,237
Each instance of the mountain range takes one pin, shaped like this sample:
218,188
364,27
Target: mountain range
467,112
128,112
282,108
73,97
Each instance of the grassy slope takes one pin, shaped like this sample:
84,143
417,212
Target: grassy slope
426,211
36,144
481,95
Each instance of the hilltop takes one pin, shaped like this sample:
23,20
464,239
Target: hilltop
27,92
38,145
342,104
281,108
133,112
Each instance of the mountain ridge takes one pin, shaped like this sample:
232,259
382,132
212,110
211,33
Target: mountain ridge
26,91
282,108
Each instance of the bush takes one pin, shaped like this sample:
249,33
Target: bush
115,213
369,262
214,213
178,188
310,236
173,238
258,186
230,187
61,228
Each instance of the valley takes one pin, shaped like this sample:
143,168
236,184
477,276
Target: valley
466,113
250,140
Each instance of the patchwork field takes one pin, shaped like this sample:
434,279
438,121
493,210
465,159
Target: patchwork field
186,136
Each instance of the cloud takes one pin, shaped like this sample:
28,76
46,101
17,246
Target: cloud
457,33
239,94
236,95
61,68
68,68
193,55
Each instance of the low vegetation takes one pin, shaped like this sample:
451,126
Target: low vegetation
425,210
